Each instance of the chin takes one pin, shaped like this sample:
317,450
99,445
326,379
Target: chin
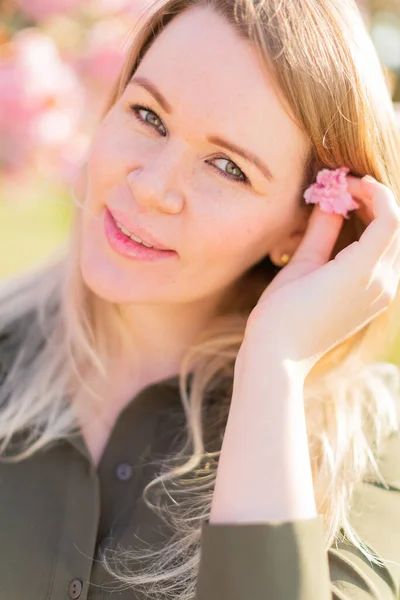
109,281
118,280
97,284
103,279
97,269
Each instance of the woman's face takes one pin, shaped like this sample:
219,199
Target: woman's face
199,154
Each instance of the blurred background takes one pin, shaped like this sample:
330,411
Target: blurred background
58,60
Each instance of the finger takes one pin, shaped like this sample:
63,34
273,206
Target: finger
381,237
318,243
365,214
367,190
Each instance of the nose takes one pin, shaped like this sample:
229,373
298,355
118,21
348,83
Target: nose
155,184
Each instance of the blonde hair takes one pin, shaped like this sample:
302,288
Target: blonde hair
55,329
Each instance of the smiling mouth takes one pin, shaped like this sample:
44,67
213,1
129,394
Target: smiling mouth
136,236
127,246
133,237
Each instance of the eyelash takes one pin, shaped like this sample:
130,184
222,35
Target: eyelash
244,181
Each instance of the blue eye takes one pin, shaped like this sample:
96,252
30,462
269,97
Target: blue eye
229,169
148,117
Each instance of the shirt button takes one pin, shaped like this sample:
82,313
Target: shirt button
75,588
124,471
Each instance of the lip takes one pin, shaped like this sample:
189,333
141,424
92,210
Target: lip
137,230
127,247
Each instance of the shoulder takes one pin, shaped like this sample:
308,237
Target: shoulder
375,518
389,462
381,491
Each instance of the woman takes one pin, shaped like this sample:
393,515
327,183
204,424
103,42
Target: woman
209,418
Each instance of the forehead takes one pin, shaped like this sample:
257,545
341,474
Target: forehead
216,81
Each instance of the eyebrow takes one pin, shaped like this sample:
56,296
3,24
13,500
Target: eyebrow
247,155
153,90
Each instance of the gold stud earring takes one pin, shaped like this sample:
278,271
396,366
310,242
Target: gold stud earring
285,258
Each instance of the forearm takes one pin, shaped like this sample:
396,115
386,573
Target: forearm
264,471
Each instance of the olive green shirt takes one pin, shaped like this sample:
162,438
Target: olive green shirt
57,511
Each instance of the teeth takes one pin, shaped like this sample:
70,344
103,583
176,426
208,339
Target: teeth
133,237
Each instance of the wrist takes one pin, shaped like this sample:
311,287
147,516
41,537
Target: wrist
264,471
271,359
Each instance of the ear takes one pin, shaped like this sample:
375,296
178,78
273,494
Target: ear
351,231
287,245
290,241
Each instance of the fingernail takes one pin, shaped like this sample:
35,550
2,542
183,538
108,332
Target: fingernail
369,178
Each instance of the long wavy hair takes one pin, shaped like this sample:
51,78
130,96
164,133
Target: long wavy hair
55,330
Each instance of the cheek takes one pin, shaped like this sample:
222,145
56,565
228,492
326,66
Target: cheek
232,240
234,232
109,154
229,220
100,158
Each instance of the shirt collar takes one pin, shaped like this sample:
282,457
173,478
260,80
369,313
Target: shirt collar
164,391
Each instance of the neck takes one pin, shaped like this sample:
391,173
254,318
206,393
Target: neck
157,337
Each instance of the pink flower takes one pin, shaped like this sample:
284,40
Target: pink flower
41,102
110,7
101,60
330,192
42,9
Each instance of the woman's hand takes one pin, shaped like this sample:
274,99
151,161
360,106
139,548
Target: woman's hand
313,304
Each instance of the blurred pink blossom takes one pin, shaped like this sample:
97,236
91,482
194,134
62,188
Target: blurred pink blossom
41,9
104,63
108,7
41,100
16,116
102,58
99,62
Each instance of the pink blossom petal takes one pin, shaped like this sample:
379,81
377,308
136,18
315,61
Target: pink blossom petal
330,192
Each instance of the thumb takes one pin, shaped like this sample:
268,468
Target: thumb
318,242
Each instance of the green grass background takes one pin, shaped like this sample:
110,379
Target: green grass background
34,220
